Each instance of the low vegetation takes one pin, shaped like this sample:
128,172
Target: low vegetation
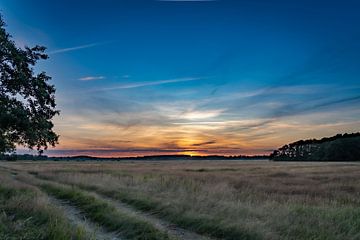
104,214
253,200
25,213
201,224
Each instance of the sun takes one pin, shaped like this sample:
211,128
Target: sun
192,153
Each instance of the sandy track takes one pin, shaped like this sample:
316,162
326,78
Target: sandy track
97,232
162,225
171,229
75,216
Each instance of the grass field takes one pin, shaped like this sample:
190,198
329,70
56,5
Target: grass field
179,200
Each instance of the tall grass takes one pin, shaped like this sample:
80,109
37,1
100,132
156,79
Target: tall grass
200,224
26,214
252,200
105,214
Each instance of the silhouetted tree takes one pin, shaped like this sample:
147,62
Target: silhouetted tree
27,101
340,147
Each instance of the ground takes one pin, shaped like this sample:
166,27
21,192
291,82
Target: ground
179,200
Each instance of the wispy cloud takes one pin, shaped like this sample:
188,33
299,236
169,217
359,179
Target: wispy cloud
151,83
203,143
203,114
91,78
70,49
316,105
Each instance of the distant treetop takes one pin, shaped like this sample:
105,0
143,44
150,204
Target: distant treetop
341,147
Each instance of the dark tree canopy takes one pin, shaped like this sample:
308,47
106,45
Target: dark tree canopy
27,101
341,147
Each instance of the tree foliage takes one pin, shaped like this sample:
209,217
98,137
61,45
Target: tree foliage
341,147
27,101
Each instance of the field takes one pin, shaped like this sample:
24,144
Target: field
179,200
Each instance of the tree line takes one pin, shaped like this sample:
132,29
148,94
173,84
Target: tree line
14,157
341,147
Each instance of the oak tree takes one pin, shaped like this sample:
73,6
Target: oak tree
27,100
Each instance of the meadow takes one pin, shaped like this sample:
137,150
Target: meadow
179,200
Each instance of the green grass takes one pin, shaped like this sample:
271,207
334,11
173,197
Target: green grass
293,221
23,216
306,222
106,215
200,224
260,200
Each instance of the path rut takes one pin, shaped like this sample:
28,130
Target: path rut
162,225
75,217
172,229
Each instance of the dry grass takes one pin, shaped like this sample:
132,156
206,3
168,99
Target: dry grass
26,213
258,199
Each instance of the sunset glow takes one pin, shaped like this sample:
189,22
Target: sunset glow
138,78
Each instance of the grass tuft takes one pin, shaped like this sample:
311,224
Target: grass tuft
105,214
25,215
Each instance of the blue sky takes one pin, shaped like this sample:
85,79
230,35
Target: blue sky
198,77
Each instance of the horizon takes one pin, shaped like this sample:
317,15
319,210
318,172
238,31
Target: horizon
198,78
150,156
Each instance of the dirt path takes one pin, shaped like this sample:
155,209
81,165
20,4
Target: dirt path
97,232
78,219
171,229
74,215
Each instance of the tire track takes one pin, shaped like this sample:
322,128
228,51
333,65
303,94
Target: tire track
172,229
74,215
162,225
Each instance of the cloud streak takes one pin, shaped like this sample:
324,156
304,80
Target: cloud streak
300,108
151,83
71,49
91,78
203,143
202,114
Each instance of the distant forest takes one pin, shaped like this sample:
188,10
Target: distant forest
14,157
341,147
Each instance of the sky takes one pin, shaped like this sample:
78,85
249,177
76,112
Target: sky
205,77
